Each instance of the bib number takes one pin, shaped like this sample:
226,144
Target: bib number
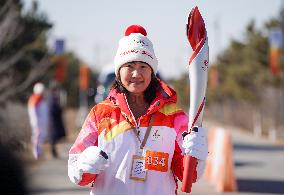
157,161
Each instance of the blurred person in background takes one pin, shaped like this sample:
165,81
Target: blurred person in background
132,143
38,115
57,128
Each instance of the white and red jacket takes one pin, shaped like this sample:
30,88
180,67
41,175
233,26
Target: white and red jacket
39,119
106,127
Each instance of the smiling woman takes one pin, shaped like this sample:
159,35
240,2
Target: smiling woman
135,77
138,129
138,82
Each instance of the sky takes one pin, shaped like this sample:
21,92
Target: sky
92,28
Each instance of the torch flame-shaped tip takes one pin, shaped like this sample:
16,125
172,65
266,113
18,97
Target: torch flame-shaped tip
196,31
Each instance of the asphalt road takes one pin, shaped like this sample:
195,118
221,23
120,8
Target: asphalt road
259,169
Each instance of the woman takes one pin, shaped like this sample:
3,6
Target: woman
38,115
131,143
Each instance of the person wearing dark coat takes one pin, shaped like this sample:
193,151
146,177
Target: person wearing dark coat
57,129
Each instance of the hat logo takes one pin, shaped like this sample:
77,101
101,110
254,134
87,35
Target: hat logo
143,52
139,42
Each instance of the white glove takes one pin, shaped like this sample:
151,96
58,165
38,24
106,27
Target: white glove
92,160
195,143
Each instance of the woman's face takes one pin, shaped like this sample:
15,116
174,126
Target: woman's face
135,76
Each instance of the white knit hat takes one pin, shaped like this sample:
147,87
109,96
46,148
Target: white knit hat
38,88
135,46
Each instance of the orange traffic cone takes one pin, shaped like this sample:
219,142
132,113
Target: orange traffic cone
220,164
208,170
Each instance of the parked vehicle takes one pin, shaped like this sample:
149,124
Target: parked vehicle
105,80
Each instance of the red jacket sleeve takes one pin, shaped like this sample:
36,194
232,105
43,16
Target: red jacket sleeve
177,162
87,137
180,125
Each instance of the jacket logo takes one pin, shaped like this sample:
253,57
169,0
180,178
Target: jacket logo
156,135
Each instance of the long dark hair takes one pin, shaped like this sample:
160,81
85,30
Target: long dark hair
150,92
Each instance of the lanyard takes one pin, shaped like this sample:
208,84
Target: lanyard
143,143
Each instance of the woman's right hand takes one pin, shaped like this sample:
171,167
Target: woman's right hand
92,160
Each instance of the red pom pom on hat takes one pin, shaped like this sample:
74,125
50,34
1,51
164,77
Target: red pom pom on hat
135,29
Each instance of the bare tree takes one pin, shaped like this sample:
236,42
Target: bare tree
18,35
24,58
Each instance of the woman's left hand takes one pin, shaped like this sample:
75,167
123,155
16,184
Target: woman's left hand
195,143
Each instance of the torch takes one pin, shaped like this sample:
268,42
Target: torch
198,70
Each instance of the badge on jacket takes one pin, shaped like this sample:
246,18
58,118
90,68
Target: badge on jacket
138,171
